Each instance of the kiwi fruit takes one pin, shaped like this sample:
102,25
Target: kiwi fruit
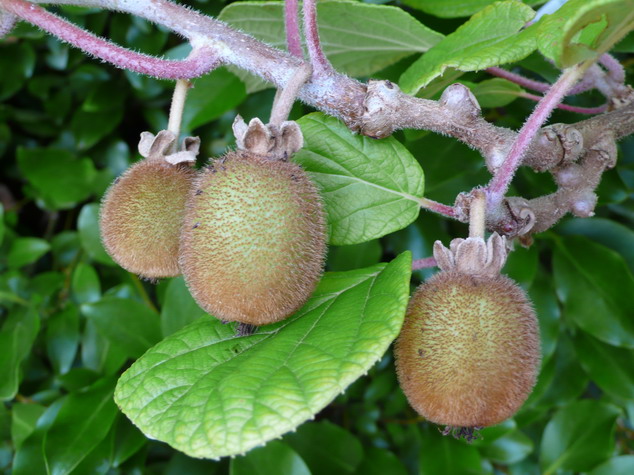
253,240
468,353
141,216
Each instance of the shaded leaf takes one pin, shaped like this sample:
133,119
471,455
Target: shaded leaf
623,465
23,420
62,338
85,285
496,92
608,366
88,227
275,457
593,298
26,250
179,307
579,436
444,454
212,95
82,423
370,187
210,393
130,324
326,448
16,339
453,8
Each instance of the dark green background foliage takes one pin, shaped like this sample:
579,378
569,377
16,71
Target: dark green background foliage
72,321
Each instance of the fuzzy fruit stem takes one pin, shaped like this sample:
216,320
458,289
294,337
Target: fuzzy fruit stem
284,98
499,184
477,214
177,108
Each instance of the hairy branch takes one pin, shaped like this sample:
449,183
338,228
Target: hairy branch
376,109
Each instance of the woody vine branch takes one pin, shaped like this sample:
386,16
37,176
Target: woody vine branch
576,154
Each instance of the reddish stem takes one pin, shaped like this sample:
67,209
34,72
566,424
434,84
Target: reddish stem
197,63
498,186
439,208
615,69
293,38
519,79
318,59
566,107
424,263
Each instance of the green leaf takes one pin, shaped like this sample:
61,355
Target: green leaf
604,231
378,461
58,177
179,308
17,62
127,322
85,285
358,39
623,465
126,440
16,339
212,95
82,422
365,254
496,92
1,222
98,353
509,449
584,29
26,250
578,437
62,338
88,226
593,298
327,448
490,38
608,366
370,187
23,420
548,313
89,128
453,8
275,457
444,454
210,393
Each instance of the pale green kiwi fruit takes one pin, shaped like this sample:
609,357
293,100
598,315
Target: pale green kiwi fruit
253,240
468,354
141,216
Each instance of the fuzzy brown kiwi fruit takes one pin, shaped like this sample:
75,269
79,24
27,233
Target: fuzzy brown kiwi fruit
253,240
141,216
468,353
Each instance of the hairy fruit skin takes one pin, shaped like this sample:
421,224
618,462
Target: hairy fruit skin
141,216
468,353
253,241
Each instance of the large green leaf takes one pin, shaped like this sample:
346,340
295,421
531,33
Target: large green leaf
594,297
609,367
584,29
454,8
82,422
578,437
359,39
16,339
88,226
623,465
444,454
210,393
130,324
490,38
370,187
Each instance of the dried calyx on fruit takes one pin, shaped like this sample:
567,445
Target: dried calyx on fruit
142,211
468,354
254,236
